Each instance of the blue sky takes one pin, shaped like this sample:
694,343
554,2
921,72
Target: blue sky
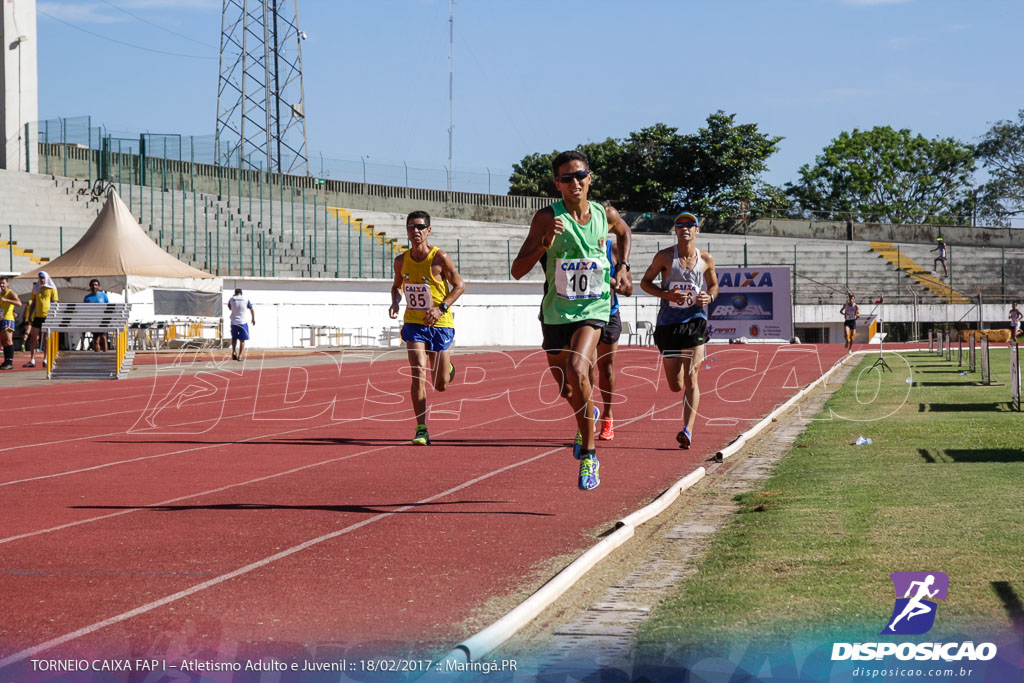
533,76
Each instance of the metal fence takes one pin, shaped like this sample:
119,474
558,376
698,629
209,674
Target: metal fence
205,149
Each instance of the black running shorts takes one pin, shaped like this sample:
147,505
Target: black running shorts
672,340
611,332
558,337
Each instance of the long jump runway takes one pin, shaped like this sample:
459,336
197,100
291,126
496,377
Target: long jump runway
217,512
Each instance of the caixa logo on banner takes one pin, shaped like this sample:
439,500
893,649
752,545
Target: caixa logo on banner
744,278
753,301
913,613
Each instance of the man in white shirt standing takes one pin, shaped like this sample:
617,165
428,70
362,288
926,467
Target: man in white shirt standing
239,329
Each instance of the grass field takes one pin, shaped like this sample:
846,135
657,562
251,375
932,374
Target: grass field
940,488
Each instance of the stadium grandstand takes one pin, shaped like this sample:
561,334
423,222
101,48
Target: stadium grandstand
245,224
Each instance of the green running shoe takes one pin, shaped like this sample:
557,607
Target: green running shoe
577,445
422,438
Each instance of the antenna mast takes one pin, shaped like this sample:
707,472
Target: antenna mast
451,70
261,110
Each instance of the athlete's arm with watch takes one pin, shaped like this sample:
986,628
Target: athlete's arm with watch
708,297
457,286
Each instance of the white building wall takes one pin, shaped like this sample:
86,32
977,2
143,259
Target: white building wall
19,82
489,314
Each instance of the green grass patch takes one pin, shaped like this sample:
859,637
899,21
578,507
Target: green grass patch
940,488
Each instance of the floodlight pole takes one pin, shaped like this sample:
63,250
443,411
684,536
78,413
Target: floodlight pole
880,362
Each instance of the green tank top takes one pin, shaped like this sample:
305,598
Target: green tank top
577,270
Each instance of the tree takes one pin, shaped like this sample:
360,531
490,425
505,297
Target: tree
643,171
888,176
1001,152
657,169
722,166
532,176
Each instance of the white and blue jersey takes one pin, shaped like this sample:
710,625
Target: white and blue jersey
691,281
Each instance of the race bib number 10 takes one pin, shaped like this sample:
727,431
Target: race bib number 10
417,297
579,278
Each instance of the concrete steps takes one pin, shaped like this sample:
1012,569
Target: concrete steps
338,239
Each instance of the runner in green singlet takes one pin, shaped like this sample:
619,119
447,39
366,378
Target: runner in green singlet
568,238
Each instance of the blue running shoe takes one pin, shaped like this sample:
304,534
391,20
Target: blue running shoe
590,477
577,444
683,438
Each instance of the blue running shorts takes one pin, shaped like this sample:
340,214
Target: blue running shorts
240,332
435,338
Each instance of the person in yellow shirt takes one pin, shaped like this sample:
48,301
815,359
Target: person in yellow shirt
44,293
8,302
431,284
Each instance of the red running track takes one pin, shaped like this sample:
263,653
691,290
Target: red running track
221,511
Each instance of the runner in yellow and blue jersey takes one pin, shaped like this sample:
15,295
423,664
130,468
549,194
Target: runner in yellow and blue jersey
44,293
8,302
568,238
428,279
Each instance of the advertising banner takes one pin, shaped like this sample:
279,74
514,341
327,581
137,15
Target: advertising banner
754,302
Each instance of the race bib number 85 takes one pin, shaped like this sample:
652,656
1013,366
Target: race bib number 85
417,297
581,278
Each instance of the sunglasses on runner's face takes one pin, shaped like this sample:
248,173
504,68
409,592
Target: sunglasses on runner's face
569,177
685,225
417,226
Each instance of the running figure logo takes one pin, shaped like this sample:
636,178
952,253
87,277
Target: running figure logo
916,592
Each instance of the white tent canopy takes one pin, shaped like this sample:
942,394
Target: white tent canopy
118,252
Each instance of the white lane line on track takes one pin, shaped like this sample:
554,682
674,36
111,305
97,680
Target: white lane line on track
24,654
247,413
238,415
706,393
256,383
124,616
142,508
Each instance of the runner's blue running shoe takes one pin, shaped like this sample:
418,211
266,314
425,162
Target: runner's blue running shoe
589,471
683,438
577,445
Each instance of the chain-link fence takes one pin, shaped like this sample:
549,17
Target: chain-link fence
205,149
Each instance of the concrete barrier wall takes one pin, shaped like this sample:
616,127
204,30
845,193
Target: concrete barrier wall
501,314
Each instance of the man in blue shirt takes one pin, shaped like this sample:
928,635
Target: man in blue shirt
97,296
